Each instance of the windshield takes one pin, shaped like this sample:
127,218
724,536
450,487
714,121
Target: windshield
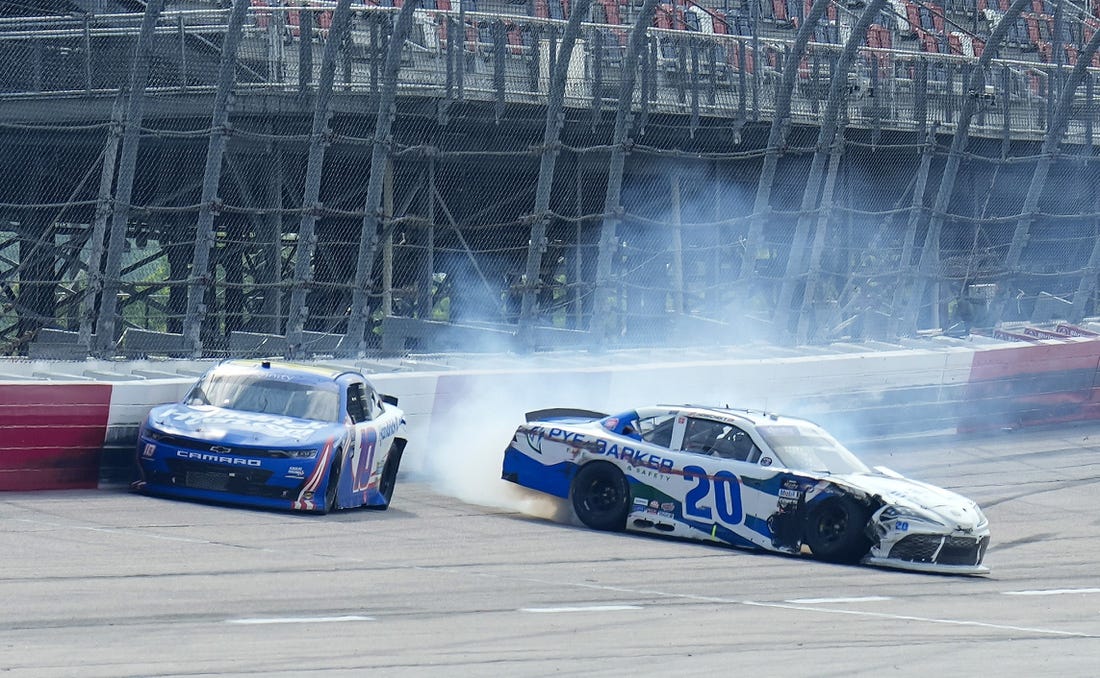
267,395
805,447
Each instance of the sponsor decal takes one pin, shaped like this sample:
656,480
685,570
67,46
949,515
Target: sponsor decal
654,503
766,461
534,441
571,437
577,441
635,457
668,506
390,428
217,458
296,472
640,501
611,423
665,514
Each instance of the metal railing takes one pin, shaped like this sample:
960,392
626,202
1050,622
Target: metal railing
505,58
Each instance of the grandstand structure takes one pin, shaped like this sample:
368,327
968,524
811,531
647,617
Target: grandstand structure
327,178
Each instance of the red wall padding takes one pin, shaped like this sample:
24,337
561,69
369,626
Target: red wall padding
1029,385
51,435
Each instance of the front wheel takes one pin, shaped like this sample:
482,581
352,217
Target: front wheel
333,488
836,531
601,496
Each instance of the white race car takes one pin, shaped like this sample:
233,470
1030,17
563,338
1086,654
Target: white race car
743,478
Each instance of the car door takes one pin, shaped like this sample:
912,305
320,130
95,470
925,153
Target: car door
721,497
373,430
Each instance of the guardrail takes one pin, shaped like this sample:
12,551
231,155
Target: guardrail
505,58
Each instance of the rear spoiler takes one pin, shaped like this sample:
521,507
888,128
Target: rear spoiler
389,400
563,413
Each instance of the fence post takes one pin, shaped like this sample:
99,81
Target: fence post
315,161
215,151
127,167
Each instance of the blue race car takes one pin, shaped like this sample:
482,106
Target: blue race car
743,478
275,435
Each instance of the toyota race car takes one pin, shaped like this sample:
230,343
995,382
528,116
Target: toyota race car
275,435
747,479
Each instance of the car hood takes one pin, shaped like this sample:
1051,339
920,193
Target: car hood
235,427
954,508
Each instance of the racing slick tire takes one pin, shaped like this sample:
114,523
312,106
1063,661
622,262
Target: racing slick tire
601,496
333,487
389,475
836,531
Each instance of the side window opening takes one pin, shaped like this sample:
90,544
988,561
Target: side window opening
358,404
657,430
718,439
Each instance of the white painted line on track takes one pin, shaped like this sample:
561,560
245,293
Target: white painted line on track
1049,592
635,593
299,620
820,601
582,608
930,620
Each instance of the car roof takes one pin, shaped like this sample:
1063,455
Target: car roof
314,371
727,414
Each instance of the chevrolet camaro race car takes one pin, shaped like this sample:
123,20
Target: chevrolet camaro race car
747,479
275,435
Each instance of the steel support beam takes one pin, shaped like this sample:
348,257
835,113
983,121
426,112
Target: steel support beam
99,227
311,203
355,341
555,119
124,186
838,94
612,209
930,254
208,204
777,139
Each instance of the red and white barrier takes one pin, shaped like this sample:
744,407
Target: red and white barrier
52,433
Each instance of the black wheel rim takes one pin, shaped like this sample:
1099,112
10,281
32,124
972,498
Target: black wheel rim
602,496
832,525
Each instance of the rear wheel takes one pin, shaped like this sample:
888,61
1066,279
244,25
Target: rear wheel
836,531
601,496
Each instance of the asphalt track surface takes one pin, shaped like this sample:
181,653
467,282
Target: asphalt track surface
107,583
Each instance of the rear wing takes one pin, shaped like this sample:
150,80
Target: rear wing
563,413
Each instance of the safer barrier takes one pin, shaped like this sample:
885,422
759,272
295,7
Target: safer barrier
69,435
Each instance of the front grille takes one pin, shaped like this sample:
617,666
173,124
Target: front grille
235,479
205,480
929,548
